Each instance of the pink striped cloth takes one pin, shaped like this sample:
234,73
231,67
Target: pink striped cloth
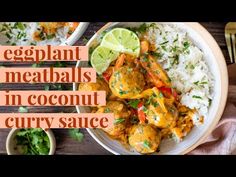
223,139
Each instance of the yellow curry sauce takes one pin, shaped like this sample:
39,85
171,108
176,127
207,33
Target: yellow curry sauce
146,108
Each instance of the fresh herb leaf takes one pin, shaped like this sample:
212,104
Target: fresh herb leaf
59,64
155,54
8,36
42,35
32,142
119,120
20,25
176,39
76,134
141,29
32,43
123,92
145,110
3,29
197,97
23,109
107,110
146,144
36,65
210,101
160,95
186,45
91,49
144,59
163,47
85,40
176,60
47,87
165,42
202,83
191,67
155,104
134,103
58,86
50,36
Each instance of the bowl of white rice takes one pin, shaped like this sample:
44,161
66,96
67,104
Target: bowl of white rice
41,33
199,72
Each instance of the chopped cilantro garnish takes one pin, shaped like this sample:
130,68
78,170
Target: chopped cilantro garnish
160,95
146,144
123,92
197,97
33,141
20,25
155,104
186,45
134,103
143,28
76,134
107,110
210,101
119,120
50,36
163,42
8,36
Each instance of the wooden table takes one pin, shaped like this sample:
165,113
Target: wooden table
66,145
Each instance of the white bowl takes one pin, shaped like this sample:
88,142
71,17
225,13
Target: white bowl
79,31
11,142
74,37
216,62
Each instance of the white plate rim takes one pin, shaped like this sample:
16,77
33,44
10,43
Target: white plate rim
223,70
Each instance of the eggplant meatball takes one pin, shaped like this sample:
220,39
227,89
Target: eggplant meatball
126,82
100,85
160,119
121,114
144,138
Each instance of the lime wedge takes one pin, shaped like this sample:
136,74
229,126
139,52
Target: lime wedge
122,40
102,57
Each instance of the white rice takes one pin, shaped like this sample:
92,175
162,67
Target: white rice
12,35
185,65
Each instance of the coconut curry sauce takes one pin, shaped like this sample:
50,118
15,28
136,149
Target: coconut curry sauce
146,107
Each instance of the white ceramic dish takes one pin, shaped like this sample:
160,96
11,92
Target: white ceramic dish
11,143
75,36
216,62
79,31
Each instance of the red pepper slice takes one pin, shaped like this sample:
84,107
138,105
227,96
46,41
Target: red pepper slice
175,94
141,114
106,76
169,91
166,89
